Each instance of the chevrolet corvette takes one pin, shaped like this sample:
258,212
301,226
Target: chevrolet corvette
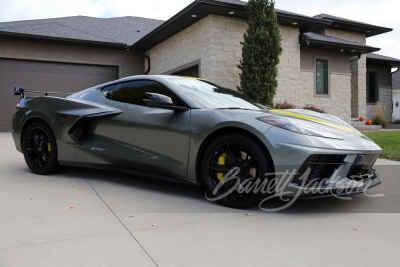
193,131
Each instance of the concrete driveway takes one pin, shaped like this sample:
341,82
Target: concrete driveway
95,218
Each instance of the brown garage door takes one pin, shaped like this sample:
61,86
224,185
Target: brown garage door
45,76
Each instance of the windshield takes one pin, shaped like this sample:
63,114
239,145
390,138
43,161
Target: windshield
208,95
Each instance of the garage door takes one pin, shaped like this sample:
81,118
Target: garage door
45,76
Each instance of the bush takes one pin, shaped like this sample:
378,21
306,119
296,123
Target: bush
396,121
314,108
260,52
379,119
284,105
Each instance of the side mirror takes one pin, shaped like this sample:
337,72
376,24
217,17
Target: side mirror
18,91
161,101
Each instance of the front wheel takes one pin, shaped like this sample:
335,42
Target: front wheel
40,148
234,168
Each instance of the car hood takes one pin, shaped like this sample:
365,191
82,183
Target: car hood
325,121
322,116
316,117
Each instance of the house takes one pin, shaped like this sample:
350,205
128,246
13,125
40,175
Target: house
380,86
324,62
396,95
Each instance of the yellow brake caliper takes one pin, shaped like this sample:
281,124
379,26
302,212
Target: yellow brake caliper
221,161
48,147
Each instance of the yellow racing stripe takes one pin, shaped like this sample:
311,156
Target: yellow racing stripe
296,115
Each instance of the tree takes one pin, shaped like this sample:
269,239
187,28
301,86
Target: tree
260,52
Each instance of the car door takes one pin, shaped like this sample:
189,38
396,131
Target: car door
144,138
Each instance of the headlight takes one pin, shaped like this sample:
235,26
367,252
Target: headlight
299,126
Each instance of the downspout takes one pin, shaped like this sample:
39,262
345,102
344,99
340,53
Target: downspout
146,57
148,64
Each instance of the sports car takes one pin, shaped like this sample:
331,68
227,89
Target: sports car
193,131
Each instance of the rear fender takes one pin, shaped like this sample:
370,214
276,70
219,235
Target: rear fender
65,116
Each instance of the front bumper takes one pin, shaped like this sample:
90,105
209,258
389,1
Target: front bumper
307,166
341,187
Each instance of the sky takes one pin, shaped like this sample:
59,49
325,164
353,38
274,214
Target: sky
383,13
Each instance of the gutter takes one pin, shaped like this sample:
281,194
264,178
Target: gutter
42,38
306,41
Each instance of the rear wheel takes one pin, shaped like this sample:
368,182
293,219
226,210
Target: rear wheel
232,167
40,148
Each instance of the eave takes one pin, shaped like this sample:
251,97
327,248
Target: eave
200,9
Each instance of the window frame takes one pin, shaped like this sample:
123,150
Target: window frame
376,87
328,79
139,80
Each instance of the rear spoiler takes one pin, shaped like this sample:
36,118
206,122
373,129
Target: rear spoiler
21,92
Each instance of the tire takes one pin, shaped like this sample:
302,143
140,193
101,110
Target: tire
40,149
239,156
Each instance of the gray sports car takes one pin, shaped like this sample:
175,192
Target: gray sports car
194,131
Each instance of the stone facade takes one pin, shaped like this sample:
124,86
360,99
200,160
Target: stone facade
289,66
358,70
384,93
215,42
338,101
219,51
385,100
191,44
345,35
358,86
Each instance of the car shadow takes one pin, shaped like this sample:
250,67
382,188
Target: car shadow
195,196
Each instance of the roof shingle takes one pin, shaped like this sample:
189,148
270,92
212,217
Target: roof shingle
122,30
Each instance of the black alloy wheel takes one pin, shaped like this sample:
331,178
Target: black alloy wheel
40,148
231,167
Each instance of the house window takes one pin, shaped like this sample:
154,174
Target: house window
372,87
322,76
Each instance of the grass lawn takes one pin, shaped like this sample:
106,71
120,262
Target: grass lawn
389,141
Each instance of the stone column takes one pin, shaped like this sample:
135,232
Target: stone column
358,69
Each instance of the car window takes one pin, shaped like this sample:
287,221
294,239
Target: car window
209,95
133,92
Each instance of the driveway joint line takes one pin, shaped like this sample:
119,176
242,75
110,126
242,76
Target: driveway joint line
137,241
59,240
